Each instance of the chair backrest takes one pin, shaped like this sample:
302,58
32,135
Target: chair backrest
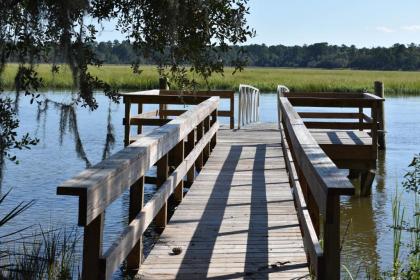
249,103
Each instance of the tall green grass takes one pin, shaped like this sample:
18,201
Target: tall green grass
266,79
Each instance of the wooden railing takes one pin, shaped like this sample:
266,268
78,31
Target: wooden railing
317,186
248,105
176,148
162,115
373,122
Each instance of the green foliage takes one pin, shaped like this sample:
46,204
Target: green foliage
319,55
172,33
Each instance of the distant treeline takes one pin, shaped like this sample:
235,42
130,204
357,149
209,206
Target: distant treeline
319,55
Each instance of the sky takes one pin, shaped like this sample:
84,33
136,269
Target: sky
364,23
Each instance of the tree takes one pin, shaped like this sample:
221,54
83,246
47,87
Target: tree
172,32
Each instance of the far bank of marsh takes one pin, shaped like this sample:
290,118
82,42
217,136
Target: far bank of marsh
267,79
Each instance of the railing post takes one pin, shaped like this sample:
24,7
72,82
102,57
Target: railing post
135,257
200,159
232,111
92,248
163,84
332,238
379,91
206,150
139,111
127,122
162,174
189,148
178,157
360,118
213,141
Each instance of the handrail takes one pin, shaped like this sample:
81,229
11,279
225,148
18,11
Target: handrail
184,142
248,106
223,94
317,185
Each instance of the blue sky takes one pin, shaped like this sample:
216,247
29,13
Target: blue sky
364,23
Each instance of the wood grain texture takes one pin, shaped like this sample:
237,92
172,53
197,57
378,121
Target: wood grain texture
100,185
238,220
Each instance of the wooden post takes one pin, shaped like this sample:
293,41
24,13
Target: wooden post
178,155
139,111
135,257
189,148
361,118
199,162
162,174
206,150
332,238
213,141
127,123
232,111
92,248
163,84
379,91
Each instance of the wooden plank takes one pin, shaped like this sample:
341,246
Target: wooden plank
146,121
100,185
223,94
118,251
234,230
331,102
166,99
329,115
324,94
337,125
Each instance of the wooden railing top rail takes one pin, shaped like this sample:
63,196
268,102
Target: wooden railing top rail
351,95
223,94
315,164
101,184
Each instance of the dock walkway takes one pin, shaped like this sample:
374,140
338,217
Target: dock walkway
238,220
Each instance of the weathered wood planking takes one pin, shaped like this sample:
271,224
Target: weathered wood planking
238,221
98,186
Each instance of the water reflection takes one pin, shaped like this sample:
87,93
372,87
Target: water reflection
73,138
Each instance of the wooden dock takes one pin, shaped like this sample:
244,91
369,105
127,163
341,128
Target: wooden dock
238,220
264,197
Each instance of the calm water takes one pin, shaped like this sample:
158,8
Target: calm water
52,161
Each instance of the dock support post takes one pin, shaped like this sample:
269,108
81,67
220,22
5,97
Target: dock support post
162,175
332,238
379,91
135,257
178,157
213,141
127,123
92,244
200,159
163,84
366,181
189,148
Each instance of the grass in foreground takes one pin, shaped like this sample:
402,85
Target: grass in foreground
266,79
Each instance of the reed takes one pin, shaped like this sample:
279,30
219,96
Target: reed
264,78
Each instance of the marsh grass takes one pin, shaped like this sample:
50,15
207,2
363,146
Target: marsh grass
264,78
404,265
44,254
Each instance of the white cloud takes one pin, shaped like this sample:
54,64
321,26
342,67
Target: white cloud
385,29
413,28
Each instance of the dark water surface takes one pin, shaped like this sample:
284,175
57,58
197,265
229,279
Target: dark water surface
51,162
